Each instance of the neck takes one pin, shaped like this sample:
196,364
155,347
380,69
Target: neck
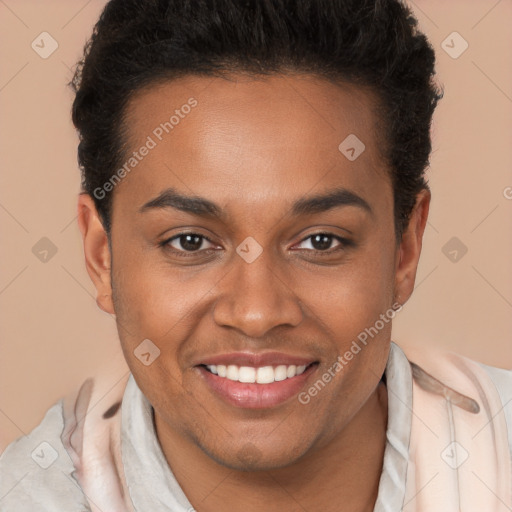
345,470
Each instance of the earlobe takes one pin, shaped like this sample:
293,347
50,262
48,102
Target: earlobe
410,248
96,251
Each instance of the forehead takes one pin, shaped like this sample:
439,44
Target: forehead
252,139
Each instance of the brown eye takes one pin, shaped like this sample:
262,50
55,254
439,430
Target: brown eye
322,242
187,242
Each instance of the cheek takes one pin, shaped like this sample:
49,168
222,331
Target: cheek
355,307
152,298
353,296
152,317
153,302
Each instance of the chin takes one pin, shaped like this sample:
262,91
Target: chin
250,457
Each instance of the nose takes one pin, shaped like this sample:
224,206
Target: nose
256,297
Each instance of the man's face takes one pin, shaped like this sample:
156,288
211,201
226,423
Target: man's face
265,276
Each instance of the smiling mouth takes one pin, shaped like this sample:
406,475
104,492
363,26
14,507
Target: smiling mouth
257,375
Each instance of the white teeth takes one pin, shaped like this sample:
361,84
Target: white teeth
232,372
261,375
265,375
291,371
247,374
300,369
280,372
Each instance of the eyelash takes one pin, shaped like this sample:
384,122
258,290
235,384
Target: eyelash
344,243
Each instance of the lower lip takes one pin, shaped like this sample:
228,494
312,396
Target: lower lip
256,396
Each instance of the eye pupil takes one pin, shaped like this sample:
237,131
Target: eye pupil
191,242
321,241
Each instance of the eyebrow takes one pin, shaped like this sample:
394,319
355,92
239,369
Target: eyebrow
308,205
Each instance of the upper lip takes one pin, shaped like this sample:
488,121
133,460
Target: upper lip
256,359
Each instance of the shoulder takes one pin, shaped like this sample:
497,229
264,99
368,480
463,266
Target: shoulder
470,385
461,434
36,471
502,380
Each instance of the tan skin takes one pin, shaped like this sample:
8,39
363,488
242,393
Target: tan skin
254,147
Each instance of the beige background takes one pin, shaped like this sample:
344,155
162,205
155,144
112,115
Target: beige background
53,335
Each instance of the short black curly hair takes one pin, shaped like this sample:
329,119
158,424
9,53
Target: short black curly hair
368,43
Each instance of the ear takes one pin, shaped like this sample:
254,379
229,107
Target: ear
96,250
410,248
